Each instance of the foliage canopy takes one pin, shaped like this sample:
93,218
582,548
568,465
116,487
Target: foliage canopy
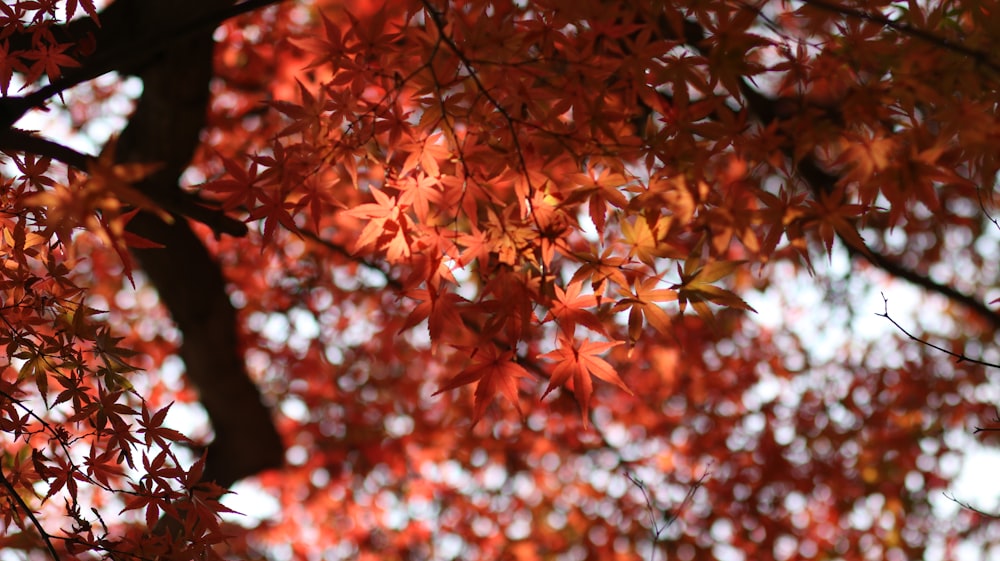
470,279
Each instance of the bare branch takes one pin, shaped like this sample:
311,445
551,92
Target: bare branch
968,506
688,498
957,356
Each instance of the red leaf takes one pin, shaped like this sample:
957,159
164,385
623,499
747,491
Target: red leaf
494,372
575,364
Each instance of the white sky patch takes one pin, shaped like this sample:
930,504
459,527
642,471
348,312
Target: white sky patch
57,124
253,505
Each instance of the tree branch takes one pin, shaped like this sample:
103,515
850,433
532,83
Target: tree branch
766,111
177,202
130,36
821,181
968,506
31,515
981,57
959,357
656,528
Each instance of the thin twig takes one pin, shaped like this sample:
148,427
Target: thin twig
970,507
341,250
654,527
959,357
982,206
996,419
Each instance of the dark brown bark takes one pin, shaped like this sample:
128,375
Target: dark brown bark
165,128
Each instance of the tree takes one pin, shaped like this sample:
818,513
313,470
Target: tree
470,279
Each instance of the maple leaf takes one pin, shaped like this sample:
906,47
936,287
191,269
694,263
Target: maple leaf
598,191
428,153
9,64
105,175
865,156
477,244
569,309
95,201
645,240
387,226
88,7
836,218
142,497
494,372
152,426
512,238
511,310
575,364
326,50
601,269
35,366
642,302
780,210
309,118
239,186
274,209
49,60
696,286
102,467
420,193
441,310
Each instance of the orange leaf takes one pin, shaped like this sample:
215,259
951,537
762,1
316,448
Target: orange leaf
494,372
569,309
576,364
642,300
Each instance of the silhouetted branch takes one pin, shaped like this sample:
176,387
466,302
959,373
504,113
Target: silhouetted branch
996,419
120,55
981,57
31,515
177,202
767,110
970,507
17,140
982,206
957,356
821,181
655,528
